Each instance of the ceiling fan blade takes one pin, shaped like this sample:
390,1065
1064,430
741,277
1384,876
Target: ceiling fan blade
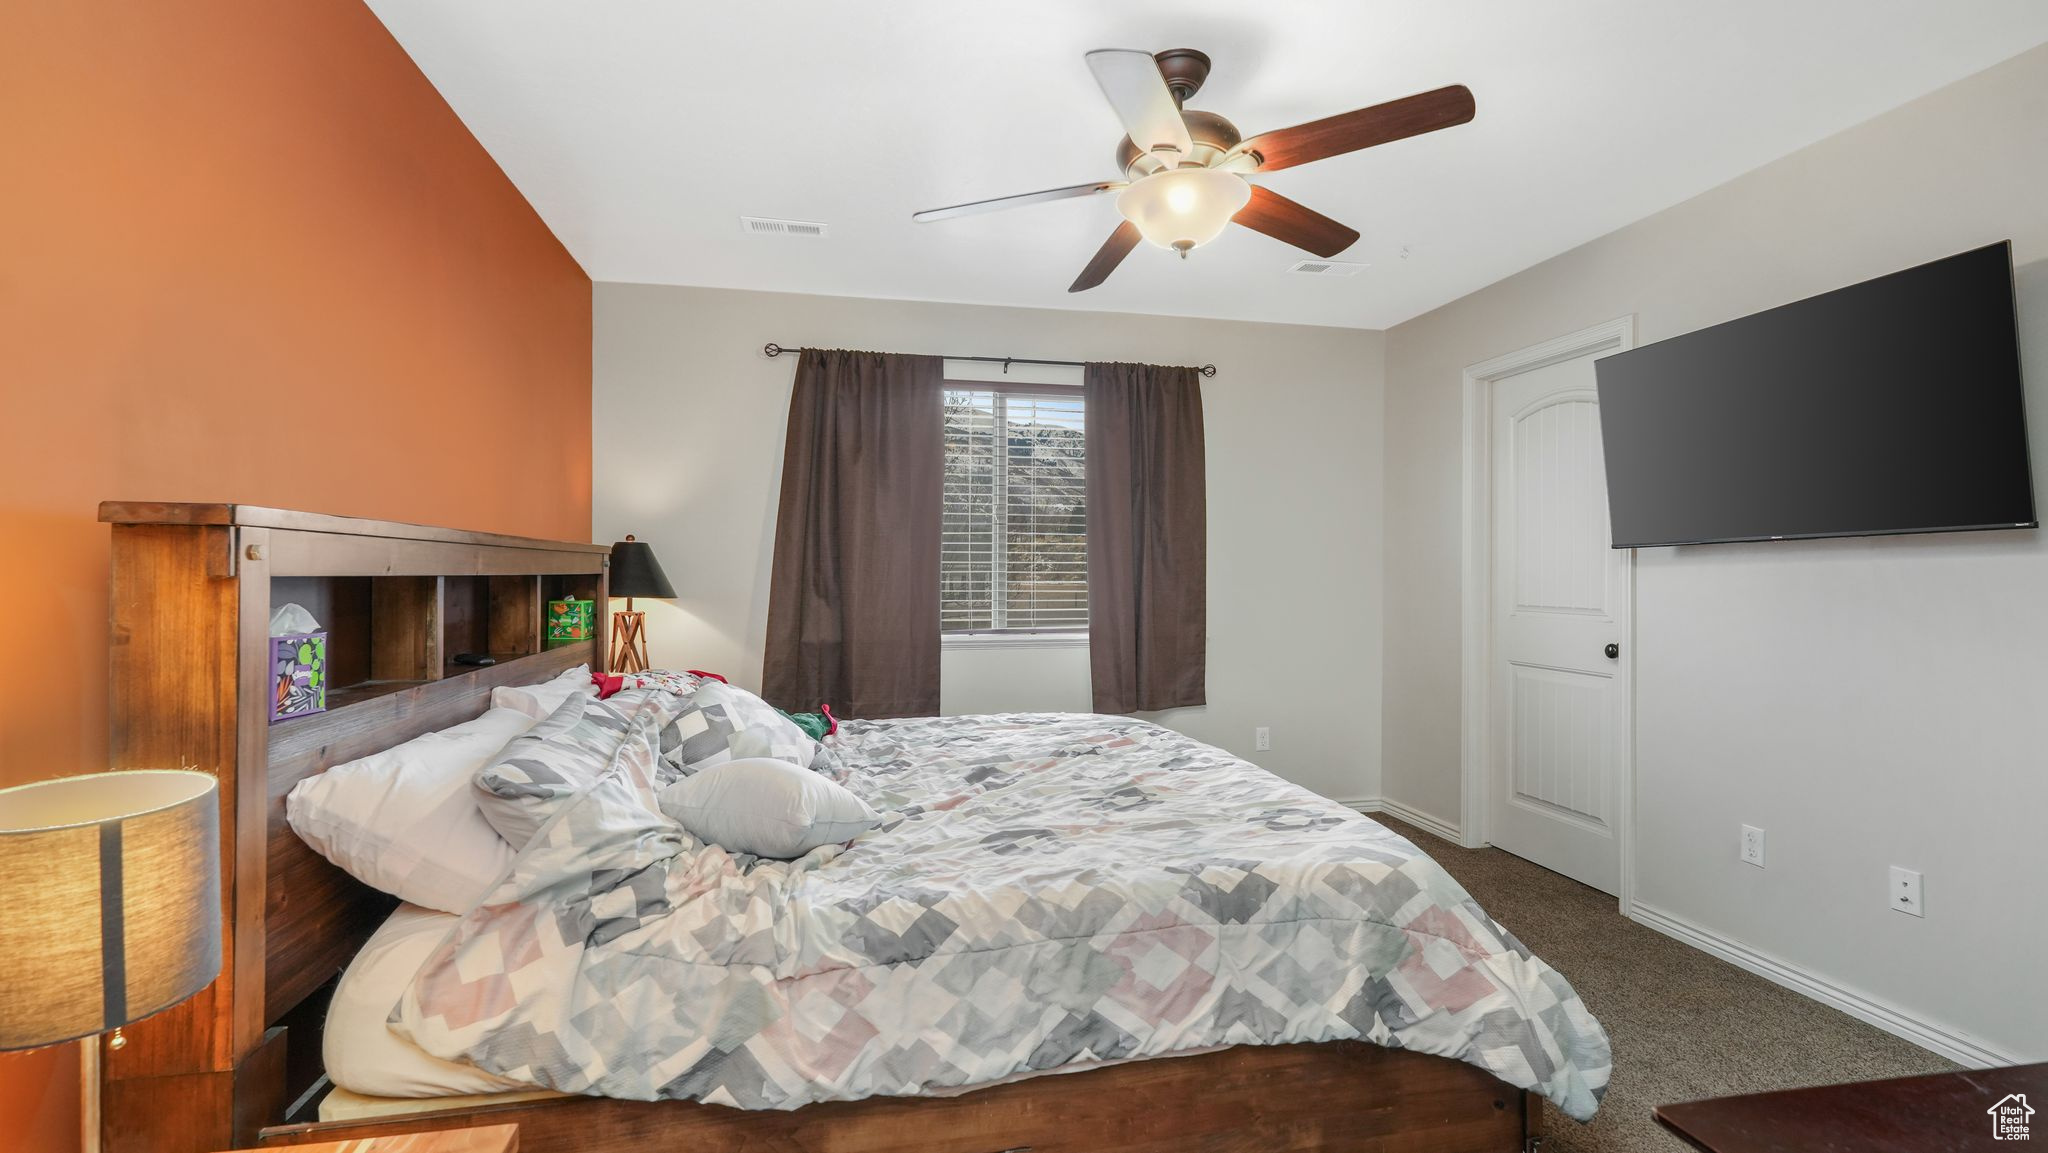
1017,201
1107,257
1131,81
1304,228
1351,131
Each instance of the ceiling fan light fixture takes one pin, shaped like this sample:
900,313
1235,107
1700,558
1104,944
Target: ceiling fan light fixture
1183,207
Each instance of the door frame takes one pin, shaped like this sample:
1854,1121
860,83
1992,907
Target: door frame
1476,697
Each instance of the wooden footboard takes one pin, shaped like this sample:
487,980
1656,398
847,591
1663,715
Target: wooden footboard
1336,1097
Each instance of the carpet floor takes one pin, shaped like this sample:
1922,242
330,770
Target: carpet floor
1684,1025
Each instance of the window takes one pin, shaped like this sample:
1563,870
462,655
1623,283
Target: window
1014,544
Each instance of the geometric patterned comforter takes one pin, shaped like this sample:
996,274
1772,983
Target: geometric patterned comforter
1045,890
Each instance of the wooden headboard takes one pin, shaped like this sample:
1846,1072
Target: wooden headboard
193,587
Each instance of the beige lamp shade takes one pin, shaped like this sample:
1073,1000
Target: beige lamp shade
109,901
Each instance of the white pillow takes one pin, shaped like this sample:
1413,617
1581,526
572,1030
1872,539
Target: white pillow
406,820
537,701
362,1054
766,807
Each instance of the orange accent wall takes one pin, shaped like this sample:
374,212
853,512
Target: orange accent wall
247,253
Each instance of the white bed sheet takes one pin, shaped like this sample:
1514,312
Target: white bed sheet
342,1105
362,1054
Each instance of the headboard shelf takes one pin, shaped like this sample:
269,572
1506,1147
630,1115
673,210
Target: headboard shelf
192,591
342,696
392,632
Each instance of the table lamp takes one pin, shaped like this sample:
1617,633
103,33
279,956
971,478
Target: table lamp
635,573
110,908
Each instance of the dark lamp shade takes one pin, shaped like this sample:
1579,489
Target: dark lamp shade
110,903
635,572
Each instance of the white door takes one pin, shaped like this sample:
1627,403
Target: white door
1559,608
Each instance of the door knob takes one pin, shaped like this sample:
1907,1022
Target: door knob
1613,652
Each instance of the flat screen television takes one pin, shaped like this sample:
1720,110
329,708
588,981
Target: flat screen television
1891,406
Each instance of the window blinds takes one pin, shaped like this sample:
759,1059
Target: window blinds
1013,549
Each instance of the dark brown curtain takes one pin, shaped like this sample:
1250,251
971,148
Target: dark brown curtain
853,599
1148,538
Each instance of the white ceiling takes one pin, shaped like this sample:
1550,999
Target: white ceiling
643,129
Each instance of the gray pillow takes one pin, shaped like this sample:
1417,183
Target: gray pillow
722,723
766,807
539,773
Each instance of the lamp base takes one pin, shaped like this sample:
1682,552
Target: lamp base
629,642
89,1094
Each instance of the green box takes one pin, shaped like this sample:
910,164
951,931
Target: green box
571,622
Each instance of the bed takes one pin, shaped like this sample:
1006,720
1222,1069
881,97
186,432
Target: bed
1195,974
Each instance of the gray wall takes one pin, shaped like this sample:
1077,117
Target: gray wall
1868,702
689,420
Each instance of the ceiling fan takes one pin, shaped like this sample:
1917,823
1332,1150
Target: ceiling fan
1186,172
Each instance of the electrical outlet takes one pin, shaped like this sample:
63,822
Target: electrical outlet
1262,739
1906,896
1753,846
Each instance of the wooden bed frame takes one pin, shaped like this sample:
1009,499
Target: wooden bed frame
239,1064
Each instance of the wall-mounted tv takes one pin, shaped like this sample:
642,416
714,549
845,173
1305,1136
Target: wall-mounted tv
1891,406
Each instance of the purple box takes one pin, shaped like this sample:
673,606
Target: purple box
298,675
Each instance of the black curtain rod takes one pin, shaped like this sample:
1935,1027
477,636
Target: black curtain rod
773,350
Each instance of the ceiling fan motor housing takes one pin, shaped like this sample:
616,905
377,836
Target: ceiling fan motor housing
1213,136
1183,69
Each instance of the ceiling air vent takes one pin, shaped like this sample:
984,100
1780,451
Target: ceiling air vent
1326,267
769,226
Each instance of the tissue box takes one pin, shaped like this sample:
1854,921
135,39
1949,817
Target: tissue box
298,675
571,622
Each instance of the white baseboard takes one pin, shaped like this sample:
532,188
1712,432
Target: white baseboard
1953,1044
1435,826
1956,1046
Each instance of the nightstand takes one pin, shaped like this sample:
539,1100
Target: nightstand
482,1139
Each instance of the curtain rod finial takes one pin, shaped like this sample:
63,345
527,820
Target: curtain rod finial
1205,370
771,350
